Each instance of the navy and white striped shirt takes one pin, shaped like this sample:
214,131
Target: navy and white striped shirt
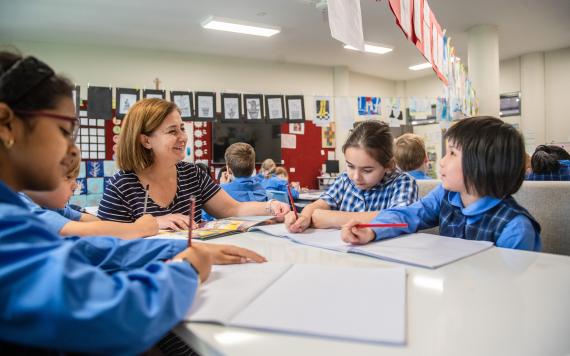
123,199
395,189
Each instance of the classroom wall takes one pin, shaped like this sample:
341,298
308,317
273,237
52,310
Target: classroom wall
542,78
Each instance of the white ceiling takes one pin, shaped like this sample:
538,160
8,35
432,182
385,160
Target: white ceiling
524,26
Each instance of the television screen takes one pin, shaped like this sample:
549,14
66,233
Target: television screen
265,139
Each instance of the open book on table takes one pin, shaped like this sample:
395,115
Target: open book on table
218,228
422,250
314,300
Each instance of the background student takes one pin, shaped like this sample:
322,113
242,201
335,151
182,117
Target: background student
151,152
474,201
240,163
550,162
411,156
371,182
99,295
279,182
267,169
52,208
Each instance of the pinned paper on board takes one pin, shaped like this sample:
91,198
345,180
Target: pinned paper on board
297,128
329,136
288,141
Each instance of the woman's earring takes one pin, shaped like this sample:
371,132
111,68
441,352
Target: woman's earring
8,144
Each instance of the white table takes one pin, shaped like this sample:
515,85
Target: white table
499,302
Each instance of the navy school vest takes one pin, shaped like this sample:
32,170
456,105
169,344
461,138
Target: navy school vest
452,222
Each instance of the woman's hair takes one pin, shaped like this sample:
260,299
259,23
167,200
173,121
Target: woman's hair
281,171
545,158
240,158
375,138
493,155
29,84
143,118
268,167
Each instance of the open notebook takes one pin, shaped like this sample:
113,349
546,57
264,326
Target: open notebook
217,228
359,304
423,250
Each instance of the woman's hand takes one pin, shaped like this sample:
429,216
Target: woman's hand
353,235
278,208
146,225
297,224
228,254
174,222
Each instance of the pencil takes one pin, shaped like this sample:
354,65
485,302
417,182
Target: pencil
146,198
192,211
359,226
292,202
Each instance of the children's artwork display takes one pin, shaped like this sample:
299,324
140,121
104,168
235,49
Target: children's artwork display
369,105
231,107
101,103
124,99
322,107
295,105
253,106
205,106
185,103
329,136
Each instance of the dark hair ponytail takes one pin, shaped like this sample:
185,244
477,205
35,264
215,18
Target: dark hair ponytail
545,158
33,87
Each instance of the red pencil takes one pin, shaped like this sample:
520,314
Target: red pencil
192,211
359,226
292,202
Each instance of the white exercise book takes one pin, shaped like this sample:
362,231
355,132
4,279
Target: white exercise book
358,304
422,250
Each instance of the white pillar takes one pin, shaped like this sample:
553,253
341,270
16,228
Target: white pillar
533,113
341,84
483,67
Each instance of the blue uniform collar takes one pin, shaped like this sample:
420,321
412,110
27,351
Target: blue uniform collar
480,206
8,196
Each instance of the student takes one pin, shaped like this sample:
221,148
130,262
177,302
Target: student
550,162
483,166
150,153
99,295
51,207
279,182
240,163
411,156
267,169
371,182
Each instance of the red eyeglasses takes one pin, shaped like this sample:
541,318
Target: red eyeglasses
74,121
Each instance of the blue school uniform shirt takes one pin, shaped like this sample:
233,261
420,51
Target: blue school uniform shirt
91,295
395,189
245,189
563,173
518,231
276,183
419,175
55,219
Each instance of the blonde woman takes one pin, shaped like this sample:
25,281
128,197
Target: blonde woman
150,153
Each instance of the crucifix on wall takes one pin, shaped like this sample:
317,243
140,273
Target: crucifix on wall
157,83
